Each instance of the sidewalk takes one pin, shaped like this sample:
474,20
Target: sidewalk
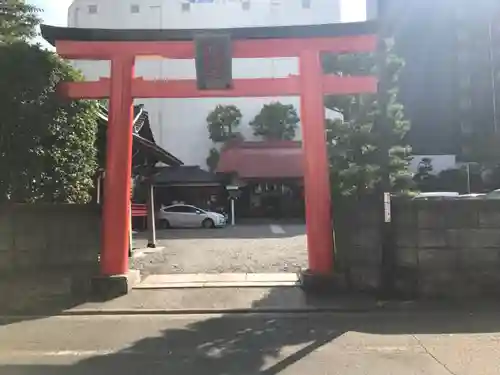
224,300
193,294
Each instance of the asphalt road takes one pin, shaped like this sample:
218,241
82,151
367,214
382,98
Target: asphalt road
334,344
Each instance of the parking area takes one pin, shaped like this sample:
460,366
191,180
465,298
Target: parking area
241,249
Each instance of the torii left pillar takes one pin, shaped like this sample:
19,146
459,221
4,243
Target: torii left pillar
115,278
316,176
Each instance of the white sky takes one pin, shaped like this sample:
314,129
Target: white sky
55,11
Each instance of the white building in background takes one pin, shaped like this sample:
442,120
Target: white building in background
372,9
179,125
439,163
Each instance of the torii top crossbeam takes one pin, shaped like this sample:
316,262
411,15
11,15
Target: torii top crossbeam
260,42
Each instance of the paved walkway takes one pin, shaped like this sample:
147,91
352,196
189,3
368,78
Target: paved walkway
217,300
219,280
241,249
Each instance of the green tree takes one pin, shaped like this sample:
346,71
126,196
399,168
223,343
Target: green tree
47,150
424,179
354,142
222,122
18,21
276,121
452,180
491,178
351,153
213,159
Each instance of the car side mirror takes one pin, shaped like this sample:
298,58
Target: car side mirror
198,212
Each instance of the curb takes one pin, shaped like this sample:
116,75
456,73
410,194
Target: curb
242,311
207,311
376,308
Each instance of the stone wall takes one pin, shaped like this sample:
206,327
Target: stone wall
44,236
443,248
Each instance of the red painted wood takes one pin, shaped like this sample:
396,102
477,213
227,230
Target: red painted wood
293,47
241,88
257,48
117,184
261,87
86,90
316,177
139,210
335,85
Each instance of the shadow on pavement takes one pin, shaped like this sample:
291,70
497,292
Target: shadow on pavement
255,344
31,295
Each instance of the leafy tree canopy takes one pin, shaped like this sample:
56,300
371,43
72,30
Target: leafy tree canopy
222,122
18,21
276,121
213,159
47,150
354,141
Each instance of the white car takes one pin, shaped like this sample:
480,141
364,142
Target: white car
186,216
495,194
439,195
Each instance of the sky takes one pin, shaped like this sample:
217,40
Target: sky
55,11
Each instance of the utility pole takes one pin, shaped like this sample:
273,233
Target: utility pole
388,261
492,73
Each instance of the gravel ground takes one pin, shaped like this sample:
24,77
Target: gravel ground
243,248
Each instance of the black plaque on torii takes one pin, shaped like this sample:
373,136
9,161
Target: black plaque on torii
214,65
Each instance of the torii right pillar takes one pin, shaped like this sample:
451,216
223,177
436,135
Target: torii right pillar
316,176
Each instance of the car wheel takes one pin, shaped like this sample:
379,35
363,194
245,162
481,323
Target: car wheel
208,223
164,224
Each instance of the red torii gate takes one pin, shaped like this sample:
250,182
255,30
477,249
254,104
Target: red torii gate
121,47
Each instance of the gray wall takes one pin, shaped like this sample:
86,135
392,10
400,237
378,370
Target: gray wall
443,248
44,236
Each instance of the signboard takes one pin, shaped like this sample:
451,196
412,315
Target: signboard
214,65
387,207
234,192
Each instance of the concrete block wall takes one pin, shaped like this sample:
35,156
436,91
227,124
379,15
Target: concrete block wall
443,248
44,236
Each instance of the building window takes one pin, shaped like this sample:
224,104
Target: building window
135,8
306,4
186,7
245,4
92,9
